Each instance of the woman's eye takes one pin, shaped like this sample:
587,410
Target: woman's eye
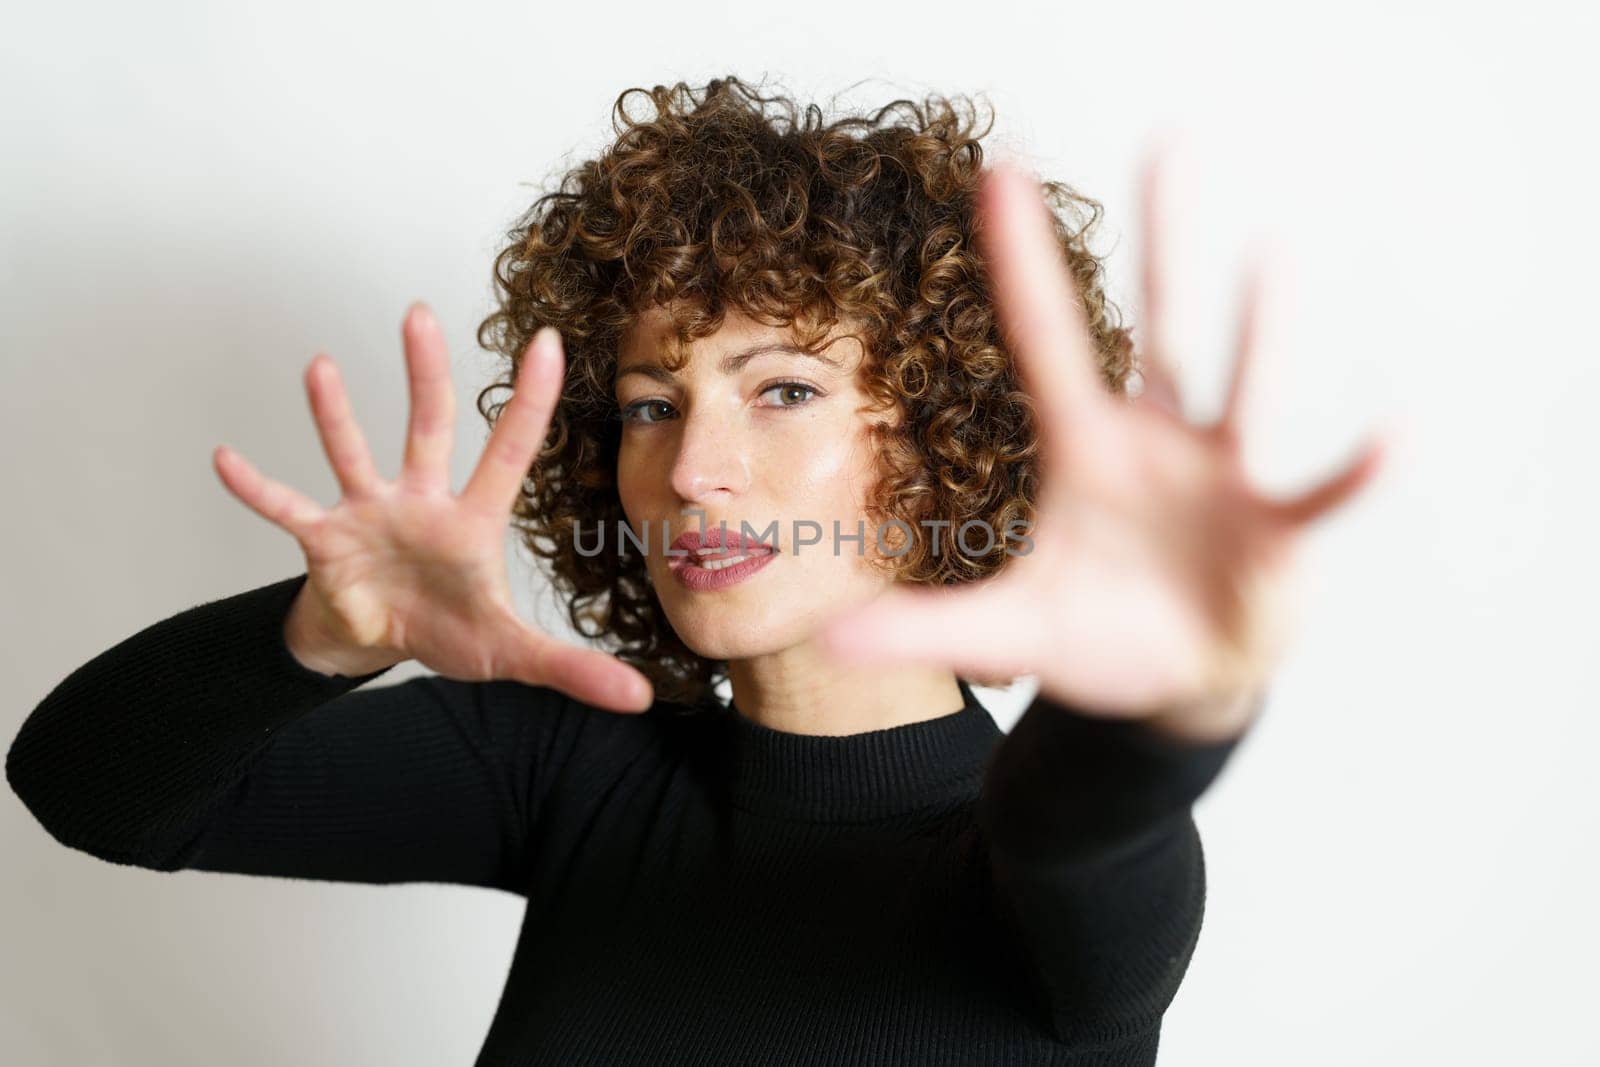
632,413
787,390
789,395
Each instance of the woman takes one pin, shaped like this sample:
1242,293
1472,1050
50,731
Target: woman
787,355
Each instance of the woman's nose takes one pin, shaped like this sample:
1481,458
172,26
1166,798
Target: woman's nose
711,458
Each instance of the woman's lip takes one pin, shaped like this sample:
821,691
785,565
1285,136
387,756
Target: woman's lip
702,579
713,543
715,553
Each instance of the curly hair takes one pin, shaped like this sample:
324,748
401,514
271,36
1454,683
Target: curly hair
724,198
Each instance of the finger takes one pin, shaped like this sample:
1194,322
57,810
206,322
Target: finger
277,503
433,403
1159,385
520,430
1155,253
970,629
585,674
1336,490
1039,308
1160,382
342,440
1239,407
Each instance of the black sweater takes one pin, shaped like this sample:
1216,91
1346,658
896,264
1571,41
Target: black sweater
701,889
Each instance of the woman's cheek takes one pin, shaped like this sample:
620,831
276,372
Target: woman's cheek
826,466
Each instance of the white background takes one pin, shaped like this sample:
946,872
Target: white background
198,198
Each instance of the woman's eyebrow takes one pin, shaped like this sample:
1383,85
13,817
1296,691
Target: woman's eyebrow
731,363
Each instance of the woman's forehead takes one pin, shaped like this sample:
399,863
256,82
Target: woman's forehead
653,338
653,331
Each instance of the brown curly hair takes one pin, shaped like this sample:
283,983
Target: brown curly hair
724,198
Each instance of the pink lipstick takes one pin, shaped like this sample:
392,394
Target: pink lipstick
711,561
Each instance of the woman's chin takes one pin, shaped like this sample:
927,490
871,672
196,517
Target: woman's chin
744,621
728,634
720,643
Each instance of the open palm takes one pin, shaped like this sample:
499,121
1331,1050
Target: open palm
1159,579
409,569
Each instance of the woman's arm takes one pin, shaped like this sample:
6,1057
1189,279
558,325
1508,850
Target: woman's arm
201,742
1096,864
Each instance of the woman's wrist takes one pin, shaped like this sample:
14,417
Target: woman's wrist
306,636
1221,718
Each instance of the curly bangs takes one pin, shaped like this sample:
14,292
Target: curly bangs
723,198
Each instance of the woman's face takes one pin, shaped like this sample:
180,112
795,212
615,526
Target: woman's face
747,433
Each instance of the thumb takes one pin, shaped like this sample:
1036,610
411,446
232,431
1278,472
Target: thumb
971,629
585,674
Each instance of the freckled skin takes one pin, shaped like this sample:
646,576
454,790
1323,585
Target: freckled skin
741,449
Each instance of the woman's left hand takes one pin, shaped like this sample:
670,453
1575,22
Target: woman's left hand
1158,584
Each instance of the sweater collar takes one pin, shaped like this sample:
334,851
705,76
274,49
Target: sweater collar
862,776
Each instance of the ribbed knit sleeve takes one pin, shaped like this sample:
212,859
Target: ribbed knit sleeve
1097,867
201,742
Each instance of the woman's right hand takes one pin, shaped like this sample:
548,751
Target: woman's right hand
407,569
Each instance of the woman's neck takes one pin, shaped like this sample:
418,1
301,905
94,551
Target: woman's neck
802,691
